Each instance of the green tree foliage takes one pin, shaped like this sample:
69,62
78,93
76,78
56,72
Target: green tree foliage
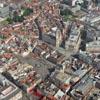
66,12
27,11
9,20
2,36
18,18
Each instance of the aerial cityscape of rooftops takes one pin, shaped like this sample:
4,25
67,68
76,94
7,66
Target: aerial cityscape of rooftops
49,49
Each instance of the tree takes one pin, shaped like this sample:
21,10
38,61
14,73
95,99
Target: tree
2,36
66,12
18,18
21,18
10,21
27,11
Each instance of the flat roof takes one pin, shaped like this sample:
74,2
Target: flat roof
7,89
